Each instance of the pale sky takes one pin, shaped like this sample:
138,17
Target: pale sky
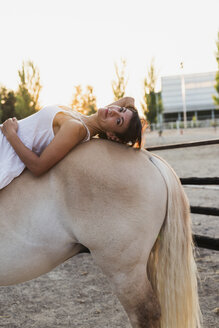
78,41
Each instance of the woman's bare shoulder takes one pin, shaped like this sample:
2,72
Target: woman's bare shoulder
64,115
63,121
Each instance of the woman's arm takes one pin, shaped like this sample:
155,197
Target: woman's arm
68,136
124,102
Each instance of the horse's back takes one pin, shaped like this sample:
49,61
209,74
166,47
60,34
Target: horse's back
120,198
103,195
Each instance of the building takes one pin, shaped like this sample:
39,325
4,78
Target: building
195,90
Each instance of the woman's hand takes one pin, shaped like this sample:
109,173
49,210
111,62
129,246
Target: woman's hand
10,127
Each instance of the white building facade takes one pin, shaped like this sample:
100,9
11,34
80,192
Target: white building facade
191,93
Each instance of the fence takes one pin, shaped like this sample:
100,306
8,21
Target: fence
190,124
200,241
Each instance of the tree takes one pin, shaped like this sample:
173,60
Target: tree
216,98
89,101
76,100
152,102
84,103
7,104
27,96
120,84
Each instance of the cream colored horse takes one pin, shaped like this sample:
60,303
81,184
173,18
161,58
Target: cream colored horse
128,208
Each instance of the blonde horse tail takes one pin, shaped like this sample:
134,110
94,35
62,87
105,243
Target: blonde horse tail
171,266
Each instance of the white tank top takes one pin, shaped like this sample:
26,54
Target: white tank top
36,132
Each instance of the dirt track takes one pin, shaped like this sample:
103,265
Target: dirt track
76,294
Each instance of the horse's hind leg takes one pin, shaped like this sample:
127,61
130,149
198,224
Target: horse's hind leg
137,297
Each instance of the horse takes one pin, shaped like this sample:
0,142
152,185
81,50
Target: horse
128,208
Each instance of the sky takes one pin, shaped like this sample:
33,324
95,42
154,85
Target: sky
79,41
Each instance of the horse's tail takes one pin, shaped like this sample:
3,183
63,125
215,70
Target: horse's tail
171,265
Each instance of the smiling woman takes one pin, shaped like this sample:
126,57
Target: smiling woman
128,127
41,140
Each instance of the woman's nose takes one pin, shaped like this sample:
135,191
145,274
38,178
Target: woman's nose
114,112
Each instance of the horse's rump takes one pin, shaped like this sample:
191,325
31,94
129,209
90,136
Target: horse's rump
100,192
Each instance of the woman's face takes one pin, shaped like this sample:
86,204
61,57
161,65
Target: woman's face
114,119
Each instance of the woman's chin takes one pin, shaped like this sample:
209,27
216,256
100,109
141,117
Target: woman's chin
102,113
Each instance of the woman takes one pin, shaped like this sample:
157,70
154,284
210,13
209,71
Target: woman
41,140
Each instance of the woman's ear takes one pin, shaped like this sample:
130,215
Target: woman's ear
112,136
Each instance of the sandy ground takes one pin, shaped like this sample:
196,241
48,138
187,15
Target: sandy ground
77,294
